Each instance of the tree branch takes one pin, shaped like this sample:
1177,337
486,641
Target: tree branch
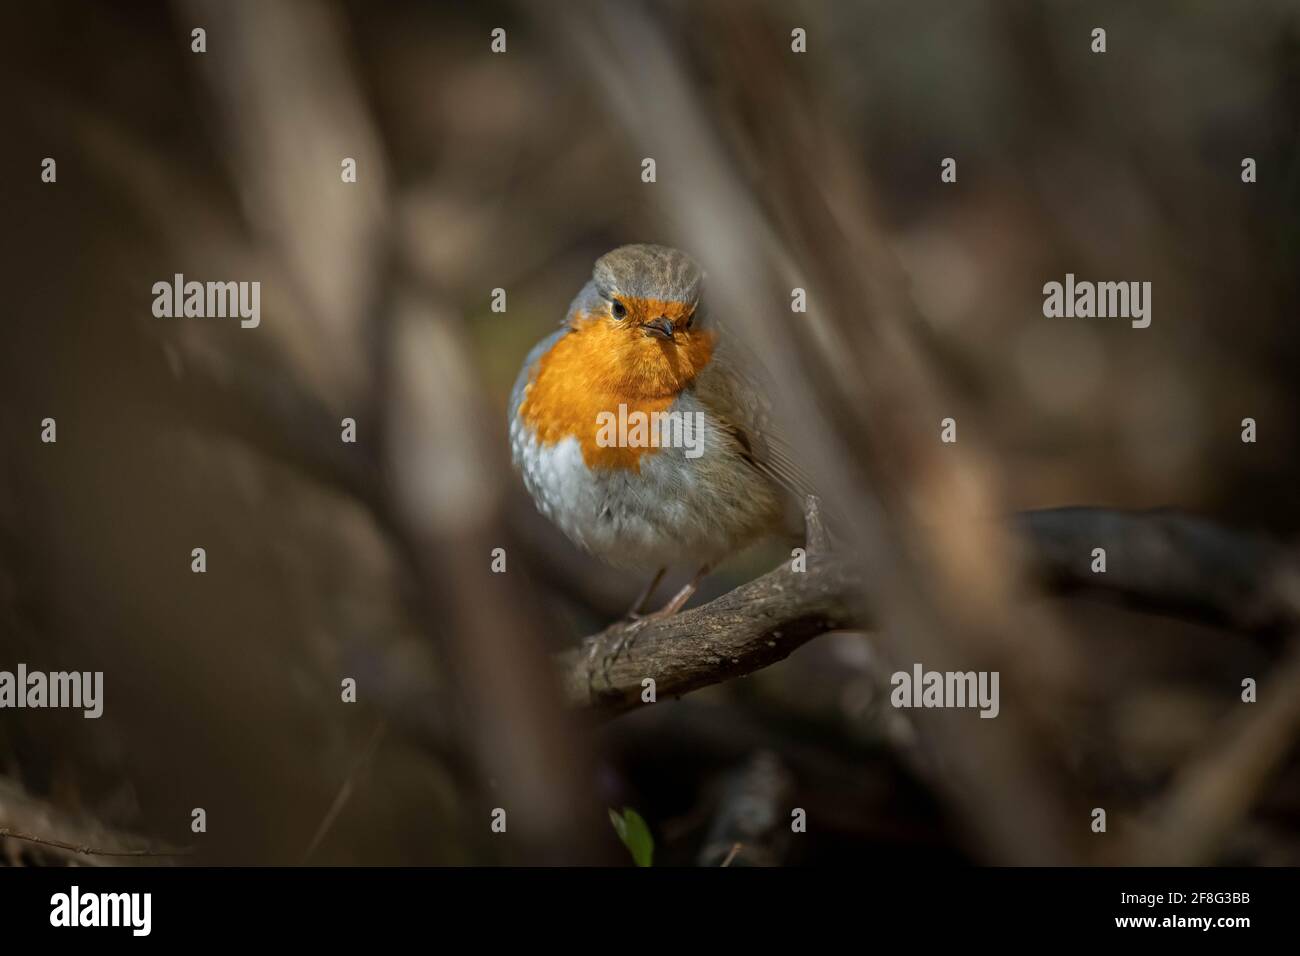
13,834
1165,560
1156,560
29,819
755,625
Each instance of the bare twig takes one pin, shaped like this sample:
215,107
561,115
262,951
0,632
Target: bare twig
31,819
90,850
345,790
751,825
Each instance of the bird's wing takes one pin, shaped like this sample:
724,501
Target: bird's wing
733,389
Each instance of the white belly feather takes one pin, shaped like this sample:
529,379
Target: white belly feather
677,511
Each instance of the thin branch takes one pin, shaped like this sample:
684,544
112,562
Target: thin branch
345,790
752,823
89,850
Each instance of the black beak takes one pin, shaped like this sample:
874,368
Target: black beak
660,328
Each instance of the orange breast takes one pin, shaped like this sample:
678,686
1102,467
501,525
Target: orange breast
599,366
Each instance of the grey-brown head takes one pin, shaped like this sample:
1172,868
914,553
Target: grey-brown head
657,286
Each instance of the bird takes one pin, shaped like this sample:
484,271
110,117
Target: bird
638,343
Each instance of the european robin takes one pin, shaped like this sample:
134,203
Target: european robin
639,429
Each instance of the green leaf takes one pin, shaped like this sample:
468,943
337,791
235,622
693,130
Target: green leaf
634,833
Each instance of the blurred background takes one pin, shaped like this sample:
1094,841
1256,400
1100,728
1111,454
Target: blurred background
479,171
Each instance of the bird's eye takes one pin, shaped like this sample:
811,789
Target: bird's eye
619,309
